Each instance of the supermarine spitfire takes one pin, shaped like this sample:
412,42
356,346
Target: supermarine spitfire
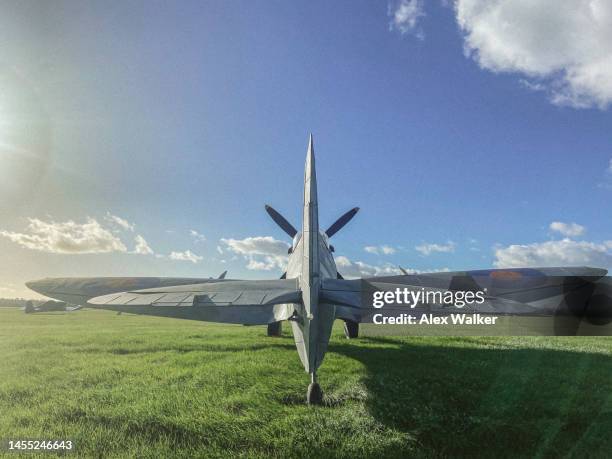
311,294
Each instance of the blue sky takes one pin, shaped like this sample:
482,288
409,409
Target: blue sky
463,130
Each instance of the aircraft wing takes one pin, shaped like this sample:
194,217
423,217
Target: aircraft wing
77,290
507,291
237,302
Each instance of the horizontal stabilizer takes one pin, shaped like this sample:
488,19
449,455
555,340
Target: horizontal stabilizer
238,302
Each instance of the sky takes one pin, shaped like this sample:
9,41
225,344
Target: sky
144,138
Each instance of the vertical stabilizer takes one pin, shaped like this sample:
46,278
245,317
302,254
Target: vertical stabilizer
305,331
310,233
311,333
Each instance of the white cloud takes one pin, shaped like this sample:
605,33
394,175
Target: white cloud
7,290
567,229
565,252
197,237
564,48
607,182
266,264
187,255
532,85
428,249
123,223
381,249
142,246
387,250
262,252
354,269
67,237
405,16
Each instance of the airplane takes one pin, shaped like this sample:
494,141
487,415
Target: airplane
312,294
50,306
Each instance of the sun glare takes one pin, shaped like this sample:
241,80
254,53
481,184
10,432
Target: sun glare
24,137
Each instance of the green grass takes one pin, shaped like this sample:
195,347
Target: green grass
148,387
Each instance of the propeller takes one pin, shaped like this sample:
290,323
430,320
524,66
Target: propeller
281,221
291,231
339,224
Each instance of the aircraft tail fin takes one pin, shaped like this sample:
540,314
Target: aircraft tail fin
310,226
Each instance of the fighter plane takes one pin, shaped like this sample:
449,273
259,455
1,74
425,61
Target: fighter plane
50,306
312,294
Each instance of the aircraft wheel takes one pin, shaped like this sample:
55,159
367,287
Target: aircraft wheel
275,329
351,329
314,396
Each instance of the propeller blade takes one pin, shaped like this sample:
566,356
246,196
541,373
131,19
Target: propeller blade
338,224
281,221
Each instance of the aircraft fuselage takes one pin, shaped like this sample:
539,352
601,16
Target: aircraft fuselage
310,261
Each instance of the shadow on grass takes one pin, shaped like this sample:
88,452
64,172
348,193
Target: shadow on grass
187,348
469,401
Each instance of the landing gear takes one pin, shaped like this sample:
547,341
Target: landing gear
351,329
314,396
275,329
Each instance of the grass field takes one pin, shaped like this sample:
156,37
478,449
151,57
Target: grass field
150,387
